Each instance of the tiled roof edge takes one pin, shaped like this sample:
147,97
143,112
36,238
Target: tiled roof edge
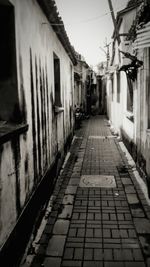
50,9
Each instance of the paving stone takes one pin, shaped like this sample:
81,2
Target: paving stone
90,216
71,263
71,190
72,232
68,254
123,233
56,246
135,264
61,227
108,254
74,181
118,255
80,232
75,239
126,181
132,233
137,255
115,233
142,226
132,199
52,261
75,244
66,212
97,232
75,215
93,245
68,200
113,264
137,213
88,254
92,264
130,189
98,254
78,253
89,232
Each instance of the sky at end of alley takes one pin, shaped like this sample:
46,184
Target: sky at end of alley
88,23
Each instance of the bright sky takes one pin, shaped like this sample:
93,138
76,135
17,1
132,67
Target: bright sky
88,23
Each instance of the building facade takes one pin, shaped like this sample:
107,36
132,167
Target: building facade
81,82
128,82
36,110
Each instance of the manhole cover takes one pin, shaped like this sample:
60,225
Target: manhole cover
107,181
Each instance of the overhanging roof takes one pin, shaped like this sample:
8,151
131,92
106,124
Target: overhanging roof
50,10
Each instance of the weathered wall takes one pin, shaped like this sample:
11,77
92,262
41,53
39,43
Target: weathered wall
118,113
25,160
135,133
142,127
80,88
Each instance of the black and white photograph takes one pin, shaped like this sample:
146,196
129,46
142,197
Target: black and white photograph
74,133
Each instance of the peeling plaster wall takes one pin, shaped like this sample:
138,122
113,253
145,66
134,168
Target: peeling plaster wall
136,134
25,160
118,110
142,129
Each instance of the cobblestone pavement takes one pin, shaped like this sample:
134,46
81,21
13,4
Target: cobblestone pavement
91,225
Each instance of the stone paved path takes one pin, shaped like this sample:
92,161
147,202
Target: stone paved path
92,225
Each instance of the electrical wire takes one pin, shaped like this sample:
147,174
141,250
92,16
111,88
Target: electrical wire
90,19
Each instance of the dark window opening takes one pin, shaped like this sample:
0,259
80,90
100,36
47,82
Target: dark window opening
129,94
118,86
6,44
57,80
9,106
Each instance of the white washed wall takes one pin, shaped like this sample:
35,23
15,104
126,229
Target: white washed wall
35,43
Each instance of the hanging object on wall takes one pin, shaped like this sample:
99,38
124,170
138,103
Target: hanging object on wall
131,69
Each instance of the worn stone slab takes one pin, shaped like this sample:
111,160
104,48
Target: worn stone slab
61,227
129,189
126,181
106,181
142,226
137,213
74,181
132,199
66,212
56,246
52,261
71,190
68,200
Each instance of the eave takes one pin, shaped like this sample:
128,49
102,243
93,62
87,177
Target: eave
50,10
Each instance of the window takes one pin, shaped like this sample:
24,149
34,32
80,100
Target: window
57,80
118,86
129,94
9,105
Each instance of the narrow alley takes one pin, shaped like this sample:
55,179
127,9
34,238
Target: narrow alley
99,215
74,133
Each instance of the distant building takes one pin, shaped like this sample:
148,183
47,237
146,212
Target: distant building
101,87
81,71
84,85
